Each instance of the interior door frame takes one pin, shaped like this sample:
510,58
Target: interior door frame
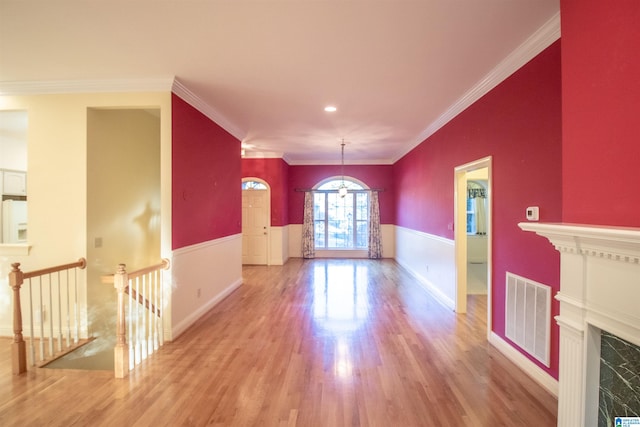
460,235
268,219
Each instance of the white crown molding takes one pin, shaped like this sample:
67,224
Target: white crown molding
123,85
287,159
337,162
536,43
249,154
263,155
85,86
192,99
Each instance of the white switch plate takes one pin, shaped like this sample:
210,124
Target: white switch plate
532,213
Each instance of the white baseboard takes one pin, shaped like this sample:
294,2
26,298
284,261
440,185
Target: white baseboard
534,371
191,319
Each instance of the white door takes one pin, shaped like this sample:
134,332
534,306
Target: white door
255,233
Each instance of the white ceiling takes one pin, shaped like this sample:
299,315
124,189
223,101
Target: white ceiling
396,70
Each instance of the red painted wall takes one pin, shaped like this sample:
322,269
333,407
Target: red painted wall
276,173
374,176
206,194
518,123
601,123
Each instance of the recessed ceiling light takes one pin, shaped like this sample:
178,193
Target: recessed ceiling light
330,108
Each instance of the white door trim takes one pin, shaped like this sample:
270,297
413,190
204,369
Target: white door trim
460,235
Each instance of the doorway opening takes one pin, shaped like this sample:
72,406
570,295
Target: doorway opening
13,178
123,217
473,235
256,221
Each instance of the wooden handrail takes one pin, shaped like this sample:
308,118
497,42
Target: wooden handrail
163,265
16,279
81,264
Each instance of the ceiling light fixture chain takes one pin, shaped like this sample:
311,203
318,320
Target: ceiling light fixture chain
342,190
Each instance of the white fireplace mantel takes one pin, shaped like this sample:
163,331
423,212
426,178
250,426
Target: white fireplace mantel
621,243
599,290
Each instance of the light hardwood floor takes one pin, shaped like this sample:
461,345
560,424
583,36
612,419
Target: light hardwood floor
312,343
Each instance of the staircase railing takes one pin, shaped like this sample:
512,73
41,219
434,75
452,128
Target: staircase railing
55,330
140,303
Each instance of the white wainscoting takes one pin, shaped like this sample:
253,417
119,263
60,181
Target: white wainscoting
386,230
295,240
202,275
279,245
345,253
477,247
431,260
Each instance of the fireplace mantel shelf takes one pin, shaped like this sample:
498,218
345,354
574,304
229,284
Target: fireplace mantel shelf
617,243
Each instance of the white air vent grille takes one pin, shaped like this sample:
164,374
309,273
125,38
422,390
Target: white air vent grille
528,316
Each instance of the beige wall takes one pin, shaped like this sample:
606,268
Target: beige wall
58,176
123,202
13,140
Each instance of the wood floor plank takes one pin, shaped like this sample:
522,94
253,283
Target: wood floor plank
311,343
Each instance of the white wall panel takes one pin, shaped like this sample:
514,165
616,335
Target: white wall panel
388,242
431,259
279,245
202,275
295,240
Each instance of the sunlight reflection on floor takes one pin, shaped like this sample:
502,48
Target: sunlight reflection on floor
340,308
340,298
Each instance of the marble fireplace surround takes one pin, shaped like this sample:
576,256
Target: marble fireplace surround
599,290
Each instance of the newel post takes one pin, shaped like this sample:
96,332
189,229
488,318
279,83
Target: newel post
121,350
18,347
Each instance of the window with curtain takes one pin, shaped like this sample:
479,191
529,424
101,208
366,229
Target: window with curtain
476,209
341,222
